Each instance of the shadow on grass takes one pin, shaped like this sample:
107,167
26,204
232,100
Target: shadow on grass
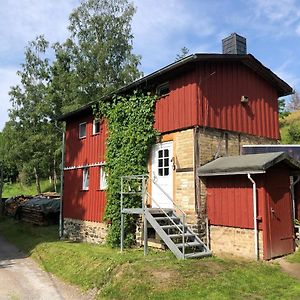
18,239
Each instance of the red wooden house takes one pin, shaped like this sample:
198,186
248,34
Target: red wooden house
209,106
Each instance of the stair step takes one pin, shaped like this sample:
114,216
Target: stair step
166,218
197,254
173,226
179,235
189,244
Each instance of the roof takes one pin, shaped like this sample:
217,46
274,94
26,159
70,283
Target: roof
246,164
248,60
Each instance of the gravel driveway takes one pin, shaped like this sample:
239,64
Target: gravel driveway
21,278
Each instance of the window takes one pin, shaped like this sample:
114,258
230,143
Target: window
82,130
85,179
103,182
96,126
163,89
163,162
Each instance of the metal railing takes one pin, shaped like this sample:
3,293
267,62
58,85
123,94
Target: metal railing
145,195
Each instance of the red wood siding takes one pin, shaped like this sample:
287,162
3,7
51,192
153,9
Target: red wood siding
230,201
83,205
178,109
221,86
90,149
78,204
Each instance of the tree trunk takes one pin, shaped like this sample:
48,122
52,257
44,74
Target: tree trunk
1,189
37,181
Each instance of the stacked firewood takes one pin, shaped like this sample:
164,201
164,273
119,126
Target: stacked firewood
40,210
11,206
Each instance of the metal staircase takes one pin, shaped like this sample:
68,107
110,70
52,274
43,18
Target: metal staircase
171,227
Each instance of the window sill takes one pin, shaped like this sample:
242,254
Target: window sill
97,133
84,190
82,137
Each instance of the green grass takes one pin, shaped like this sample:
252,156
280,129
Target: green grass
14,189
295,257
159,275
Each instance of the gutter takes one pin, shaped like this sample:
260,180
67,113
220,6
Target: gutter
254,216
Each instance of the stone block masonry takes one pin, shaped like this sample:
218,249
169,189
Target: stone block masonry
85,231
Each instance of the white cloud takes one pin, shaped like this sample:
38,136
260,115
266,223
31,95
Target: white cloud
162,28
8,78
285,72
277,17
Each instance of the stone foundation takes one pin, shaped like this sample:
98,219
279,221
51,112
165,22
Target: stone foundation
85,231
236,241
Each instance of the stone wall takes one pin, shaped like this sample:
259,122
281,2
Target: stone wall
85,231
236,241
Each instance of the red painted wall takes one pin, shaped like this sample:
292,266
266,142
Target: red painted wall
178,109
230,200
83,205
221,86
78,204
209,94
90,149
230,203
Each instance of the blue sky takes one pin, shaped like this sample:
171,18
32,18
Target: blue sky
161,28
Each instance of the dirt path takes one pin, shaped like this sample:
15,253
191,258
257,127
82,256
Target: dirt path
22,279
292,269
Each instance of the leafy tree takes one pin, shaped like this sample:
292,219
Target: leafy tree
294,103
283,112
183,53
97,58
294,132
35,138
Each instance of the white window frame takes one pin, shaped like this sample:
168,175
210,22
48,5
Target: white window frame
85,179
94,126
79,133
102,179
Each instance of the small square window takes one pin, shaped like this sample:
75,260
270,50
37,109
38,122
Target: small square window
103,181
82,130
96,126
163,89
85,179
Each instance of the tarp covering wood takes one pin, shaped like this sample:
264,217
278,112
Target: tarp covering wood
243,164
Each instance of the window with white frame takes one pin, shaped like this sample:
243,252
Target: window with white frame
103,181
85,179
96,126
82,130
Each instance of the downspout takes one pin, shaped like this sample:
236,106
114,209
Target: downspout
254,215
293,196
61,223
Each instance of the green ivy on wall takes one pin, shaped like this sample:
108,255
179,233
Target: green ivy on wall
130,136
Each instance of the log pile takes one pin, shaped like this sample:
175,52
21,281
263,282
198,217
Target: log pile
11,206
40,210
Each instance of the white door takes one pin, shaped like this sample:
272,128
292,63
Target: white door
162,175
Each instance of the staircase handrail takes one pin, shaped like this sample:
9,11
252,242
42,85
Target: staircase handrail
164,192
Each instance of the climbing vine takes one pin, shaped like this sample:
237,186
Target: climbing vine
130,136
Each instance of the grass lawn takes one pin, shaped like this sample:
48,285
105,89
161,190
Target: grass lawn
14,189
294,257
159,275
